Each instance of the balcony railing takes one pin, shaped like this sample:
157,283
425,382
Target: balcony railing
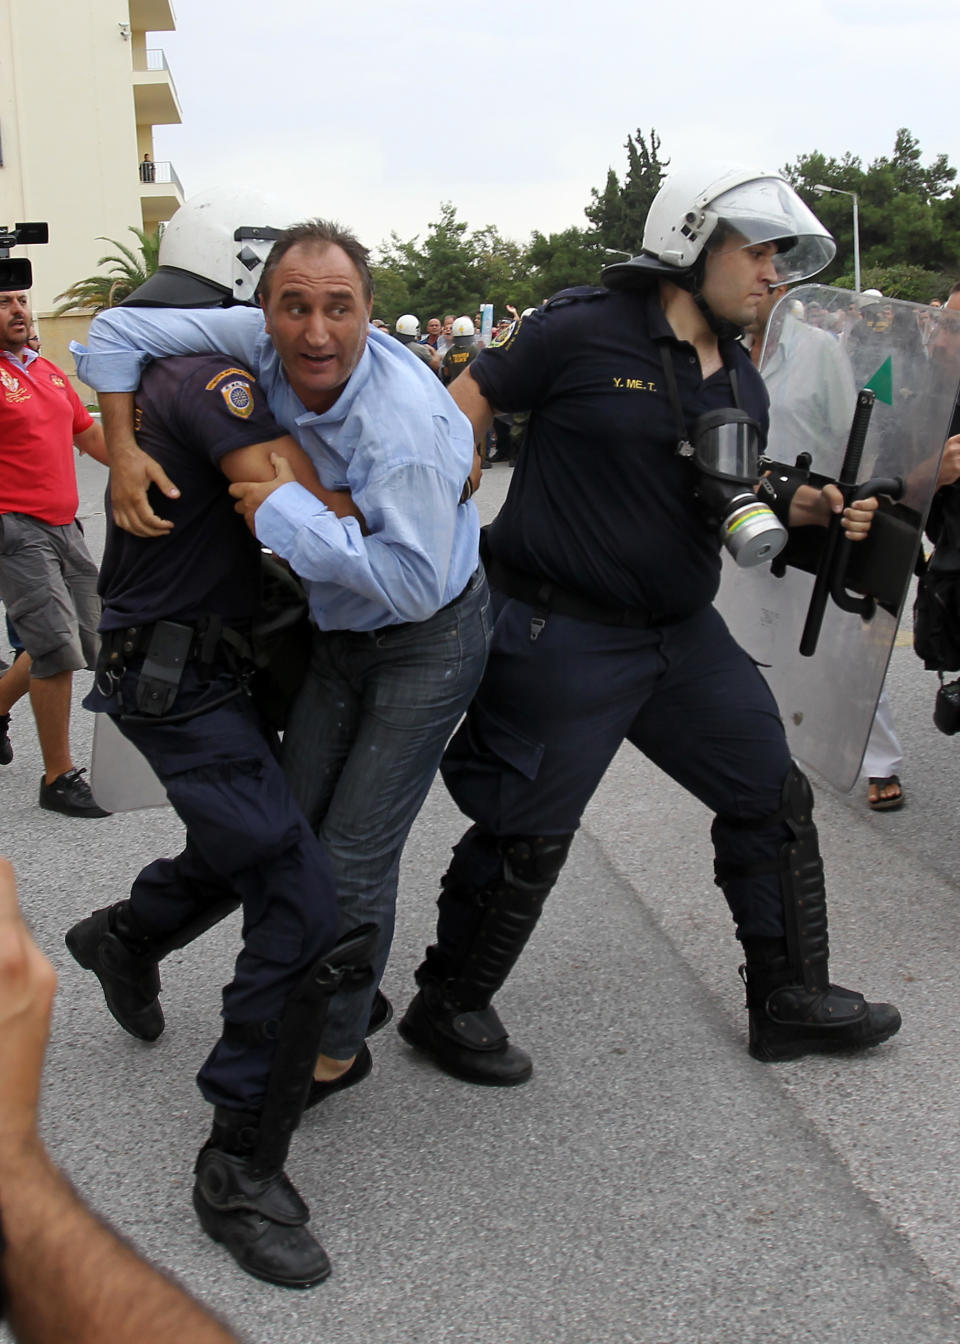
162,171
155,59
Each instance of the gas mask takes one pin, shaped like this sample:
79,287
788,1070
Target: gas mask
726,454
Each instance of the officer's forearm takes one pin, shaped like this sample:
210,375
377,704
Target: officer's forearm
68,1276
116,413
466,393
339,502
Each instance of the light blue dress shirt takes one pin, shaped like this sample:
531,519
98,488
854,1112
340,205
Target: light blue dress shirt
394,438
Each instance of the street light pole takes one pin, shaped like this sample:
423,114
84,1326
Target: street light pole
836,191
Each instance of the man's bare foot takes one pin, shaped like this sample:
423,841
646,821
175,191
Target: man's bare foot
884,794
327,1070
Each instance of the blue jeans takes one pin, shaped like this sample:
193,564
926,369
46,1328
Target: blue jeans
361,748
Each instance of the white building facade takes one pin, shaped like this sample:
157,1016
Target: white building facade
82,86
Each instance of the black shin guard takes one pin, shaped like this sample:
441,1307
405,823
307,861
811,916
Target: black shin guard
481,933
480,936
802,884
242,1196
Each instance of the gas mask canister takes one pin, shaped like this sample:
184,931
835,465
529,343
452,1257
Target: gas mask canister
725,452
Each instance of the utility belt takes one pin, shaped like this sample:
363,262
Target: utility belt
166,647
548,597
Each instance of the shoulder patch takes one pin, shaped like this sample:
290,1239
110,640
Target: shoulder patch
225,373
238,397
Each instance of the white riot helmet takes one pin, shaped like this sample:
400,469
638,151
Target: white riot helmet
526,313
408,328
709,201
463,331
212,251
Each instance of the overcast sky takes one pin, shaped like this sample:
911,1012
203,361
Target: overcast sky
374,112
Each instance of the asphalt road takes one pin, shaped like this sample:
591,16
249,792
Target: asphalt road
651,1183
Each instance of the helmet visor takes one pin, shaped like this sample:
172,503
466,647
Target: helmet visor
767,210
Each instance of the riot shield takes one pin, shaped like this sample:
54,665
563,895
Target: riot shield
121,778
841,367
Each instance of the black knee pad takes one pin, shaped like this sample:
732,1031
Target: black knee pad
533,862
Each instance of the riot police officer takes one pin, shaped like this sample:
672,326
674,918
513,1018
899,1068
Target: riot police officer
603,563
462,352
408,334
175,670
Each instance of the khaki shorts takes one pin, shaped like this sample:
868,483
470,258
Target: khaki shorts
48,584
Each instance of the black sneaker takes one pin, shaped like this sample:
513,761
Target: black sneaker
6,746
70,794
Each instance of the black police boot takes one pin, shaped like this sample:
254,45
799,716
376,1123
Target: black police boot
252,1207
788,1020
126,962
468,1043
794,1010
125,966
480,936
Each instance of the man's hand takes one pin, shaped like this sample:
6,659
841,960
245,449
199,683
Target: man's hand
27,986
132,472
857,518
813,507
251,494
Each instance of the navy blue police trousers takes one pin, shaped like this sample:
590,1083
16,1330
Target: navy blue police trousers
552,711
247,841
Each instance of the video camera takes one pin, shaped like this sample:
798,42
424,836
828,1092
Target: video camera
16,272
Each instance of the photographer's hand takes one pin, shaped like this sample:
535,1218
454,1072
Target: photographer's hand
66,1275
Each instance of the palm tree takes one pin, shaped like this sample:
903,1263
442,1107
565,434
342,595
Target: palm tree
127,273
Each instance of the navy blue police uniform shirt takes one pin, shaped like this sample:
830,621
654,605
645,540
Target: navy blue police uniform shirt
190,412
600,503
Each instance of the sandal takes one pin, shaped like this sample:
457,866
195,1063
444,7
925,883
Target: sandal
879,803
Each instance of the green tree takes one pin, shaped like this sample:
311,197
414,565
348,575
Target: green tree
618,212
442,274
901,282
560,260
390,295
909,214
502,267
127,272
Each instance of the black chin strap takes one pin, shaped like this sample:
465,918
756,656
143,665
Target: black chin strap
722,327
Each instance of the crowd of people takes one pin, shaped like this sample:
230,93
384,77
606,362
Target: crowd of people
262,406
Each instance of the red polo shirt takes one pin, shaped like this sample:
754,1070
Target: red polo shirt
40,414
